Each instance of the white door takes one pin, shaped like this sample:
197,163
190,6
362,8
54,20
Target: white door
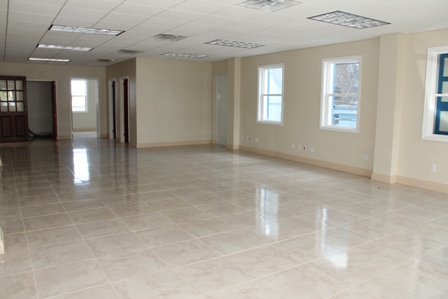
221,109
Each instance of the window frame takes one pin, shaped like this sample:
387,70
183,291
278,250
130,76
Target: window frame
86,103
260,104
429,111
327,75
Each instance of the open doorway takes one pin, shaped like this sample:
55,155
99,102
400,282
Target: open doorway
84,96
42,115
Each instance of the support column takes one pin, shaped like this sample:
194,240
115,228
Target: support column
233,104
389,106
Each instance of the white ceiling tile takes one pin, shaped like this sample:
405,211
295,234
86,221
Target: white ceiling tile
23,24
274,19
409,4
93,5
44,2
162,23
226,2
183,16
339,4
114,25
156,3
217,21
375,10
200,7
76,22
35,8
241,13
73,12
30,18
439,10
303,11
139,10
124,18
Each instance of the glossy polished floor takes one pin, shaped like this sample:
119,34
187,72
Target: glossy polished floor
90,219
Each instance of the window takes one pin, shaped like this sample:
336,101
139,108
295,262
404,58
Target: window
270,94
340,94
79,95
435,118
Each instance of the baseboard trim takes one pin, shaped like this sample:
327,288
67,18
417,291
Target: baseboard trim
232,147
169,144
64,137
422,184
384,178
84,130
319,163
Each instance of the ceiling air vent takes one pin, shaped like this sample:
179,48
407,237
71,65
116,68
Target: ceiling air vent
105,60
269,5
129,52
169,37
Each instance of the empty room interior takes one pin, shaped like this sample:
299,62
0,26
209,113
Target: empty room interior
216,149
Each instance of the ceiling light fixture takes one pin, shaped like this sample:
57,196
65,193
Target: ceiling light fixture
49,59
170,37
185,55
269,5
82,49
231,43
348,20
95,31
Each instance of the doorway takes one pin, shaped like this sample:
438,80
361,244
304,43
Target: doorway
221,109
84,97
42,110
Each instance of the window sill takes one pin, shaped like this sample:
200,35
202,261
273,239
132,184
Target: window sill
266,122
434,137
340,129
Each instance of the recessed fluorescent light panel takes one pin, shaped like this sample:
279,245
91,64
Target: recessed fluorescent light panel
49,59
82,49
184,55
231,43
348,20
269,5
170,37
95,31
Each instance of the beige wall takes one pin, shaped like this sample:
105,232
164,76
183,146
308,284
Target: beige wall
117,72
302,97
62,74
174,100
416,155
86,121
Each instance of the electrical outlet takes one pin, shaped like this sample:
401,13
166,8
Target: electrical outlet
292,145
256,139
312,149
304,148
433,167
365,157
298,147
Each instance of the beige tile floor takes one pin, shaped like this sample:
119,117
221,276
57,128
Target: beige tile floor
87,219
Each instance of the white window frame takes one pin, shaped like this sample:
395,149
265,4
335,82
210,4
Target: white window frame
260,105
429,111
325,117
86,103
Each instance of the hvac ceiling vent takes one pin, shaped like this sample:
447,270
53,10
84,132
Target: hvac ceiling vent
129,52
105,60
169,37
269,5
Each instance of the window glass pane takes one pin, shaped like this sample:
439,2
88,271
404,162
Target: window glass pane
79,87
3,96
11,84
79,103
20,107
274,81
2,84
11,96
443,121
344,111
273,108
12,107
444,99
4,107
445,69
19,95
445,87
346,77
19,85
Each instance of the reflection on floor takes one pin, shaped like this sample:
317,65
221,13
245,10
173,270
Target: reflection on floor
90,218
82,135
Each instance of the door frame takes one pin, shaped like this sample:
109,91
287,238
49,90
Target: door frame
124,114
113,91
97,95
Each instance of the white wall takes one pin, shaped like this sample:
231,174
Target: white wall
302,97
174,102
86,121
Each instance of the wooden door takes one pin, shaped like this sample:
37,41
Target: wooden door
13,114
